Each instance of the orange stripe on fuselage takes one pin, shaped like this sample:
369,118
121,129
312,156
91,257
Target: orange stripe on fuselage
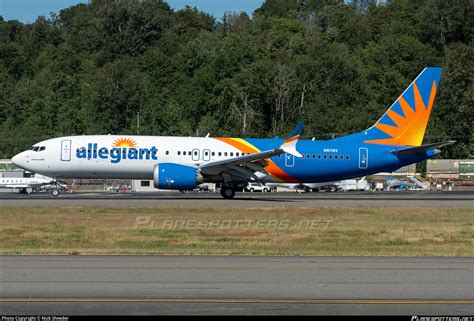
243,147
272,168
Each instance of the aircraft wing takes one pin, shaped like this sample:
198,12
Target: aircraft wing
245,166
420,149
253,162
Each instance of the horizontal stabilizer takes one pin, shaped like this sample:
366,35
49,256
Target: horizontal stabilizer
420,149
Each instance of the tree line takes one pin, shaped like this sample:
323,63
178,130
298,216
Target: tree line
94,68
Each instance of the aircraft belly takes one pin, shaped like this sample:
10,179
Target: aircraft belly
124,170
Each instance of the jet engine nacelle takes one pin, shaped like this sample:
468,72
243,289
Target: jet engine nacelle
176,176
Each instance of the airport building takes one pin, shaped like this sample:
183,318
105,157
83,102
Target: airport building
450,168
7,169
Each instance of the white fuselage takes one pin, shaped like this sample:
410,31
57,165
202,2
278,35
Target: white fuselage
119,157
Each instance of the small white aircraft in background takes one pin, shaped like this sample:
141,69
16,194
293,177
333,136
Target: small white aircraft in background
334,186
306,187
24,183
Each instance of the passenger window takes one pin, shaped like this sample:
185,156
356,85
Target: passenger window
213,153
319,156
325,156
231,154
330,156
347,157
167,152
335,156
179,153
220,154
225,153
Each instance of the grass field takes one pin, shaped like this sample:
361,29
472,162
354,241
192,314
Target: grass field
233,230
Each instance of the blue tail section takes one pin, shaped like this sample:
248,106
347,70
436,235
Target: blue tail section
405,122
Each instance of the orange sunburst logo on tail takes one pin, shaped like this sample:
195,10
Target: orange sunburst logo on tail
124,142
409,130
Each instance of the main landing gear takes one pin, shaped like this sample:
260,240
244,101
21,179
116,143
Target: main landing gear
227,192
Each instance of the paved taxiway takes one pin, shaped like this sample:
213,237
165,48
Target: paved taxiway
236,285
409,198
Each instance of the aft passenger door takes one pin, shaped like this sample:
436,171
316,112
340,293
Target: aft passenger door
363,158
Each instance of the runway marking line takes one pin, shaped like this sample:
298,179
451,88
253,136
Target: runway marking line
215,300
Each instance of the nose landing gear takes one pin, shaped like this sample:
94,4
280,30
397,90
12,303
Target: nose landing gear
55,188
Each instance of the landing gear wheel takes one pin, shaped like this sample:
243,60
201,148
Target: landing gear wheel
55,192
227,192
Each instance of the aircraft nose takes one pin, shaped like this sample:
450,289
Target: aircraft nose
15,159
19,160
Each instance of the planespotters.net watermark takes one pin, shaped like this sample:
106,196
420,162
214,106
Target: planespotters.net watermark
432,318
146,222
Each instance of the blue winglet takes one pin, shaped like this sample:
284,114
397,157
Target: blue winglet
297,131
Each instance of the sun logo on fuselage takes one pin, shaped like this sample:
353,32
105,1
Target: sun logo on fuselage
124,142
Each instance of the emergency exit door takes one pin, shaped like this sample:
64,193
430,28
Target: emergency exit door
289,160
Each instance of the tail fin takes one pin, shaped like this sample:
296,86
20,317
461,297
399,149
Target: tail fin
405,121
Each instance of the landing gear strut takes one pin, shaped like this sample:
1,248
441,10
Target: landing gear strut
227,192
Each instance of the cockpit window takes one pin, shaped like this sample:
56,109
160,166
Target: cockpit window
37,148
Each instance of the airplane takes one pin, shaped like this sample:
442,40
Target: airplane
24,183
182,163
348,184
306,187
